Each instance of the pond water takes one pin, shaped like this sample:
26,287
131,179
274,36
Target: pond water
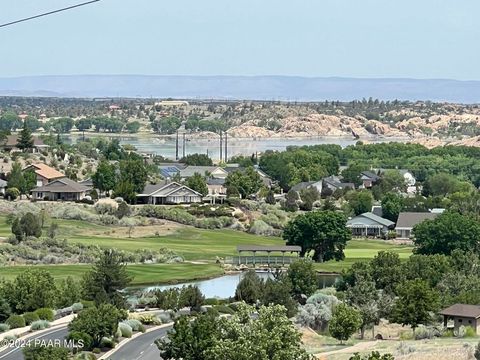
166,146
224,286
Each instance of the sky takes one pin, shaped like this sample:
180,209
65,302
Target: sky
313,38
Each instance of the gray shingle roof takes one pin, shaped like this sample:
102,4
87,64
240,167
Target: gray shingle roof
191,170
375,218
409,219
462,310
63,185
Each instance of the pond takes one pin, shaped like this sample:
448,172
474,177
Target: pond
224,286
165,146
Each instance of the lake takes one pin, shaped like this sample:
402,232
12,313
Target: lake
165,146
224,286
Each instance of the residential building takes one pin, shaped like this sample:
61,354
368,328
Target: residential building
208,171
45,173
334,183
308,184
407,220
61,189
168,192
369,179
12,140
216,186
369,224
462,315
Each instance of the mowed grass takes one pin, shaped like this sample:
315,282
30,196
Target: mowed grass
142,274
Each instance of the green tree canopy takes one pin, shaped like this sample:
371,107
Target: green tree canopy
448,232
360,201
197,182
345,322
197,160
303,277
246,182
324,232
104,177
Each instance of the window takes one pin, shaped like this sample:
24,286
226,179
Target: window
469,321
460,320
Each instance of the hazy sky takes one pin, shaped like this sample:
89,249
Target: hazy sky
358,38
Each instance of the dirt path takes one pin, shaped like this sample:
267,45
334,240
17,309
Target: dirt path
359,347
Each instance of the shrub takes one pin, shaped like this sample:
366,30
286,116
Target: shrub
125,329
423,332
149,319
45,314
76,336
118,333
135,324
105,208
470,332
15,321
12,193
165,318
211,301
224,309
404,349
4,327
84,355
107,343
77,307
260,227
87,304
39,325
30,317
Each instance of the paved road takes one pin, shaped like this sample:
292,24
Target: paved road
142,347
15,353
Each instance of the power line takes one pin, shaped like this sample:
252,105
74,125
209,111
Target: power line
47,13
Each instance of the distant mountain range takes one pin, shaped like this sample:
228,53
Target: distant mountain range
241,87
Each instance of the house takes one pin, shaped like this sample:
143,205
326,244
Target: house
209,171
216,186
407,220
334,183
377,210
12,140
3,186
462,315
369,224
168,192
369,179
308,184
45,173
61,189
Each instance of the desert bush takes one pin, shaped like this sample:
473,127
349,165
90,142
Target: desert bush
15,321
149,319
423,332
102,208
404,349
4,327
30,317
107,219
45,314
85,355
135,324
77,307
12,193
165,318
214,223
73,212
39,325
125,329
260,227
107,343
76,336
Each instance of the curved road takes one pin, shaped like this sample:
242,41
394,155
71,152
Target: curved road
142,347
15,353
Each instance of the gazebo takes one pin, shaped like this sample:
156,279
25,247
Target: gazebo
266,249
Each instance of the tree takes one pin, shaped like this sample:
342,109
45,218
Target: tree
270,198
345,321
40,352
249,289
197,182
308,197
291,201
104,178
197,160
97,322
15,178
103,284
122,210
25,226
278,292
189,340
303,277
133,171
448,232
392,181
363,296
125,190
324,232
247,182
392,205
68,292
416,300
132,127
386,270
441,184
353,172
360,201
10,121
25,140
31,290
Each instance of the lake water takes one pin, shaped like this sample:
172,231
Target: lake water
166,146
224,286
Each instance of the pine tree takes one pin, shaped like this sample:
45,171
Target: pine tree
25,141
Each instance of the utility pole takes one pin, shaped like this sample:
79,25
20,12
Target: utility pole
184,145
226,147
221,145
176,147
